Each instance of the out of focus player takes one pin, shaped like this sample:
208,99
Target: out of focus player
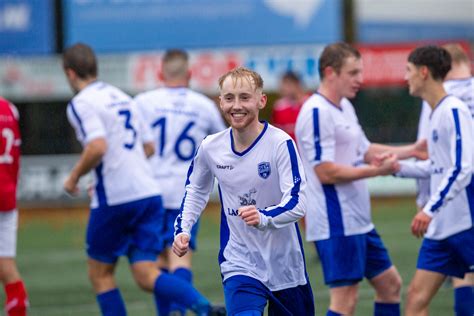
460,83
261,186
180,119
126,209
337,158
286,109
16,297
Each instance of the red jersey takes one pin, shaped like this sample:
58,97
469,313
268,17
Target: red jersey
284,114
10,141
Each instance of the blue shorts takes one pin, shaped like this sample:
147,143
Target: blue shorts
346,260
168,229
452,256
131,229
243,293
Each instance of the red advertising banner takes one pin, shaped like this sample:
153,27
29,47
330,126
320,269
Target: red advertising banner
384,65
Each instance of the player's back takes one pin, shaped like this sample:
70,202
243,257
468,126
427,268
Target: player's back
124,175
9,154
463,89
180,119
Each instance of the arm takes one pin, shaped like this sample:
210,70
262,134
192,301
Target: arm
90,158
198,187
149,149
420,169
292,185
333,173
417,150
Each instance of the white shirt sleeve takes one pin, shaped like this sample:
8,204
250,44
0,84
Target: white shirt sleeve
292,184
86,121
420,169
198,187
317,137
459,128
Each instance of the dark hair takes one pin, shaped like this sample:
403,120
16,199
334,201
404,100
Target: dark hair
175,64
291,76
334,55
81,59
436,58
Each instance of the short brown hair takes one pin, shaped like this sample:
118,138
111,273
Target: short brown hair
175,64
81,59
334,55
458,55
242,72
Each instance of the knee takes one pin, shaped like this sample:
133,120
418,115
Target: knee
395,287
145,278
101,280
415,298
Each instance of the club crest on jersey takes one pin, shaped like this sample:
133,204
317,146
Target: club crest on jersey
264,169
434,136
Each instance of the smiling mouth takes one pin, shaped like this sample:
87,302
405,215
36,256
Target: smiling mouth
238,115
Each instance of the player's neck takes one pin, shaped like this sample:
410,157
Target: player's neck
434,94
83,83
330,94
244,137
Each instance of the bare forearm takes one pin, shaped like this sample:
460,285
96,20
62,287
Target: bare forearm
340,173
90,158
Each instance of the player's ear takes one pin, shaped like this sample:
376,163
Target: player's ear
328,71
425,72
263,101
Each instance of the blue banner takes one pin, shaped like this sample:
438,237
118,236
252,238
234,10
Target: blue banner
27,27
130,25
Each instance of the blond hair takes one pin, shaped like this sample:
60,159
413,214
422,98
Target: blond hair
458,54
243,73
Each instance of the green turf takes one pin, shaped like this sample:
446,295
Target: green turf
52,261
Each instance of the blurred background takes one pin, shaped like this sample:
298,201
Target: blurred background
269,36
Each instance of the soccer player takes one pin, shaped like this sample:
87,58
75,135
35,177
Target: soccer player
335,153
261,187
460,83
16,297
286,109
446,220
180,119
126,212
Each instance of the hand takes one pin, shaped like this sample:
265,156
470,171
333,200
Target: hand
379,158
70,185
419,225
181,244
389,165
250,215
420,149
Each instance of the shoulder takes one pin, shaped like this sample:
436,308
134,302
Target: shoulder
276,135
201,99
217,139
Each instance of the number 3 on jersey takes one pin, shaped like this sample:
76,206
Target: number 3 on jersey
129,126
183,136
9,137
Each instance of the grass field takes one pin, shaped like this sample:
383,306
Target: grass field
52,261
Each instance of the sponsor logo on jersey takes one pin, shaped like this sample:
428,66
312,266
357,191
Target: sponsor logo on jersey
247,198
264,169
225,167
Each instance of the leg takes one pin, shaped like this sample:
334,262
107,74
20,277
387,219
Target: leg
16,297
181,268
245,296
464,295
101,275
423,287
343,299
387,287
167,287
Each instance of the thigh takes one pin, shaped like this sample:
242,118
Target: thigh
425,284
107,236
243,293
334,253
377,259
438,256
294,301
147,242
8,230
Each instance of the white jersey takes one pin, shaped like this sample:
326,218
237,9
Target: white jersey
450,167
327,133
180,119
268,175
124,175
464,90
